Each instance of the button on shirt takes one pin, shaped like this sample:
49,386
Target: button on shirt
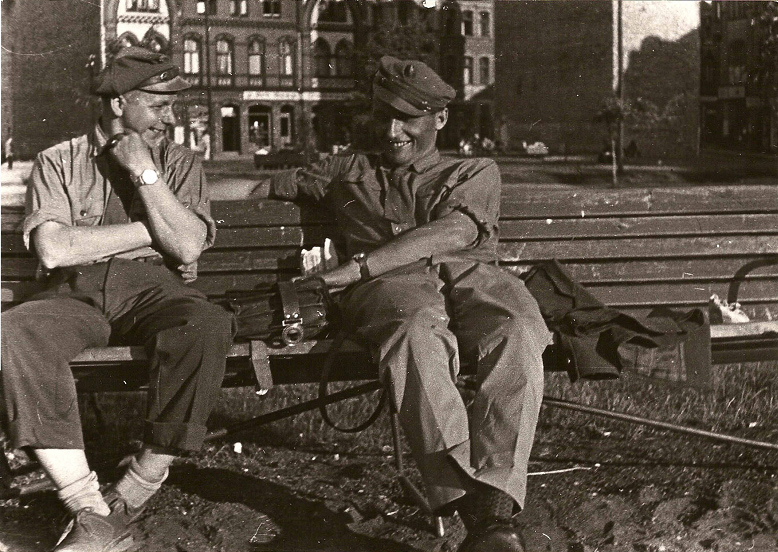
372,203
76,183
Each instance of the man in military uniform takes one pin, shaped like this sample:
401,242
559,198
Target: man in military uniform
422,289
118,219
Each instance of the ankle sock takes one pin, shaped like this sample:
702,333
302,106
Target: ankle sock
135,486
84,493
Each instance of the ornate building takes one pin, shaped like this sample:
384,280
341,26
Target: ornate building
264,73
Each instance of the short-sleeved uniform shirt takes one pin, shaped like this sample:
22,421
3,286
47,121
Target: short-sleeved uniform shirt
76,183
373,204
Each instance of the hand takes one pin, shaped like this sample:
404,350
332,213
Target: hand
342,276
131,152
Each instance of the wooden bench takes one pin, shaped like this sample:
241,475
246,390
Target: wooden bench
634,249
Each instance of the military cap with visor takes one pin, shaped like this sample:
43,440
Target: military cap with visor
411,86
136,68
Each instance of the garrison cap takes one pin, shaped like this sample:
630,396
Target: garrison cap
139,68
411,86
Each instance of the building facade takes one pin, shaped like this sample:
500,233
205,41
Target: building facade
265,74
557,67
739,75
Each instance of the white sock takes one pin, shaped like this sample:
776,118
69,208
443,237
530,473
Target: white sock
135,488
84,493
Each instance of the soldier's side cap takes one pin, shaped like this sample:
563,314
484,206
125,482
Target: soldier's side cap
411,86
138,68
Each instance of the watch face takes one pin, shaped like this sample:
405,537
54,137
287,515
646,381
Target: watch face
149,176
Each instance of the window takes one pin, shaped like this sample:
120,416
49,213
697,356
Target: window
271,8
333,11
344,65
224,57
321,58
143,5
484,67
256,57
737,62
468,70
239,7
286,54
191,56
211,7
486,24
467,23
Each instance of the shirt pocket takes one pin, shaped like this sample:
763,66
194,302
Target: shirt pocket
88,214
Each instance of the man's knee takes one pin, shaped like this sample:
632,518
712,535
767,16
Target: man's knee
210,319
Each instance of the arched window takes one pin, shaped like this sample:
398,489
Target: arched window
256,54
225,56
467,23
286,55
344,59
192,55
321,58
484,68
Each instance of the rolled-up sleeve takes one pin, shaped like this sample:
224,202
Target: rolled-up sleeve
46,198
475,192
190,187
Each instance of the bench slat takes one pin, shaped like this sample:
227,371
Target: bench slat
697,225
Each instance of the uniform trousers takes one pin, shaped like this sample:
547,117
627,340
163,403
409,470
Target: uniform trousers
118,302
420,320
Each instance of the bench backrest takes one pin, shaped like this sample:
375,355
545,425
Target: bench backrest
634,248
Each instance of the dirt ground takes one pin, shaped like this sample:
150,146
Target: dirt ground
609,488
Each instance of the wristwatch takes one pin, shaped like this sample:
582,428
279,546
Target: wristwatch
361,259
146,178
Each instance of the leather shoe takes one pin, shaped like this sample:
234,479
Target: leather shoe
91,532
497,537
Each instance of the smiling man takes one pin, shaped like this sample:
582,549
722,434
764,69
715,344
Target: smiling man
423,291
118,219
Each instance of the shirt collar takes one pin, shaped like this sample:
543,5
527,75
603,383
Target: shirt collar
423,164
97,140
426,162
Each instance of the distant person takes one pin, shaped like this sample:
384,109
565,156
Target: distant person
421,289
118,219
631,151
205,145
8,152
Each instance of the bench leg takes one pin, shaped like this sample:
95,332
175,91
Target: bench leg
408,487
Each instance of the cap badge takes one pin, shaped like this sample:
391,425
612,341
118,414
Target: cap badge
409,70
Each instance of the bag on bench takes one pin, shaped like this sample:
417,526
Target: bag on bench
289,312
